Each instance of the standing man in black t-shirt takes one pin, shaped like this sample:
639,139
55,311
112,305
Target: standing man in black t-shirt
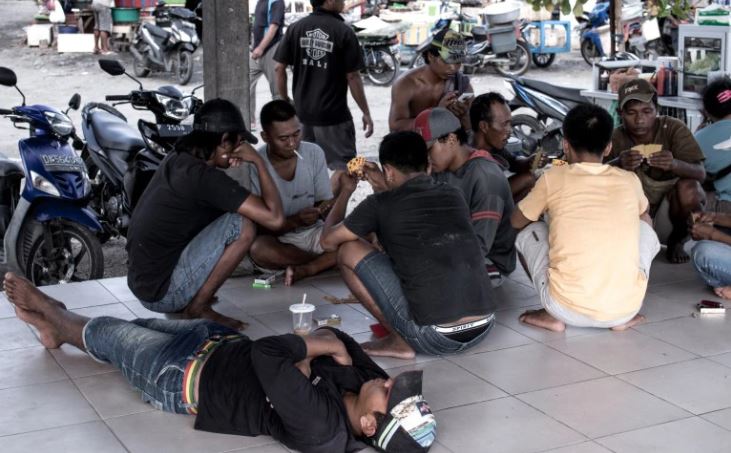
193,224
268,24
326,60
429,287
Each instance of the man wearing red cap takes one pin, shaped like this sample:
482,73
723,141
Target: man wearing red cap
674,172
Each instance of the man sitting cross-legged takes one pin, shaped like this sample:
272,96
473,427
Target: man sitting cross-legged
591,263
193,224
299,170
318,393
429,287
674,172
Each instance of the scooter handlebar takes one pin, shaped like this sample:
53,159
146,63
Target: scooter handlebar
118,98
6,112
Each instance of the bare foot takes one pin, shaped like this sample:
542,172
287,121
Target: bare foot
48,335
724,292
295,273
23,294
675,253
391,345
637,320
209,313
541,318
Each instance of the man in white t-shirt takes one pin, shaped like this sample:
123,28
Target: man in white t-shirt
300,173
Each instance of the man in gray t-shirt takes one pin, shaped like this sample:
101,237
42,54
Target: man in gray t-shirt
300,173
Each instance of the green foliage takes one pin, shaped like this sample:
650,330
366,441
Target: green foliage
575,7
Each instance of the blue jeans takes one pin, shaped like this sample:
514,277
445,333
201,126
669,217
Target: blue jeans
196,263
376,273
151,353
712,260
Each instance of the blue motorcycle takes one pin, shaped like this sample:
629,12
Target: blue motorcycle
591,44
49,232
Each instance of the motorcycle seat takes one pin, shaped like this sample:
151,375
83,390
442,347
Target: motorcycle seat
9,168
569,94
114,134
156,31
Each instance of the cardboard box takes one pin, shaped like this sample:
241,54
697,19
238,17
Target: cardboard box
415,35
77,42
37,33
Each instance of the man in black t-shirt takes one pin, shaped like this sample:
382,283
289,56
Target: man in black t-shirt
193,224
316,394
429,287
326,60
268,25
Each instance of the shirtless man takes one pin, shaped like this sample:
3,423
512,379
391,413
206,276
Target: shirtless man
439,83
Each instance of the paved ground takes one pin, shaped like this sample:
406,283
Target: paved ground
664,386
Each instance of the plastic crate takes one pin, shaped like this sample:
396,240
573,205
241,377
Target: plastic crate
125,15
502,39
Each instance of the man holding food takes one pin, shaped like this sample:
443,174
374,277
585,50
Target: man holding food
665,156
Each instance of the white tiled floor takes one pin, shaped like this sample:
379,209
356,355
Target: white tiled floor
664,386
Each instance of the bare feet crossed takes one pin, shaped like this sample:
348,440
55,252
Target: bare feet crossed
637,320
541,318
389,346
32,306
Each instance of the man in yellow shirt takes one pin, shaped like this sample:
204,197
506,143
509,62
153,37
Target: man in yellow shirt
590,260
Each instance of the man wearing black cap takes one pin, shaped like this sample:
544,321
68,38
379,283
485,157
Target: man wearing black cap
319,393
439,83
193,224
665,156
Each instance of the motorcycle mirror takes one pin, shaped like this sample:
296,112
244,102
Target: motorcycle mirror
8,77
111,67
75,102
192,93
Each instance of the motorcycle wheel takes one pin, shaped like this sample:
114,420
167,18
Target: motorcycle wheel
524,126
385,69
185,67
417,62
543,60
139,66
589,52
80,257
519,61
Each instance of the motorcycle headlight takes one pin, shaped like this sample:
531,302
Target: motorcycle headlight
60,123
174,108
42,184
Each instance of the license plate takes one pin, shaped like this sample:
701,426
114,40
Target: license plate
174,130
52,162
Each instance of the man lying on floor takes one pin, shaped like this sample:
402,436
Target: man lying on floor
319,393
590,261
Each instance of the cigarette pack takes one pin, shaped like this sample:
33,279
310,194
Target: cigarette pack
332,321
260,285
710,307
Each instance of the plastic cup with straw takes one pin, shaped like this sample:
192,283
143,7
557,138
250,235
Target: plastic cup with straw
302,316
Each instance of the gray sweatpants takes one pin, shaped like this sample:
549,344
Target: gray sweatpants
532,244
257,68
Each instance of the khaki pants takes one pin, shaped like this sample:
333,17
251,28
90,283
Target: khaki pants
257,68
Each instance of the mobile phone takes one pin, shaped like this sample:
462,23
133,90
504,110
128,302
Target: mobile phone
465,97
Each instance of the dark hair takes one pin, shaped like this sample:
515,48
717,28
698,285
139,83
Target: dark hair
588,128
276,111
317,3
481,109
404,150
712,104
201,144
431,51
461,136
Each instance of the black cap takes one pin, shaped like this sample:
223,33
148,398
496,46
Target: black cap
409,425
220,116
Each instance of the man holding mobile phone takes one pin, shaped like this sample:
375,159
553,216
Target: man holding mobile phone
439,83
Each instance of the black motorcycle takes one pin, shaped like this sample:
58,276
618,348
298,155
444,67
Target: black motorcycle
168,45
120,159
382,58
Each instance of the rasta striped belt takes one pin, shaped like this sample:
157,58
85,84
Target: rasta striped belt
194,366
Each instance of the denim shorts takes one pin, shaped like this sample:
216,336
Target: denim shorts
376,273
151,353
196,263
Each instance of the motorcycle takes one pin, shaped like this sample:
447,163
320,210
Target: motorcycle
168,44
480,54
591,44
550,104
121,160
382,58
49,232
